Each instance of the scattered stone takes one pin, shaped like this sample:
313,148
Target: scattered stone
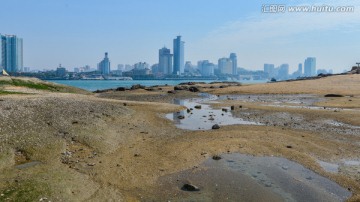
224,110
179,88
216,157
124,104
171,92
75,122
190,187
333,95
232,107
216,126
120,89
180,117
289,146
188,110
137,86
240,106
136,155
91,164
197,107
193,89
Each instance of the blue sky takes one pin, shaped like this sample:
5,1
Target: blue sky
78,32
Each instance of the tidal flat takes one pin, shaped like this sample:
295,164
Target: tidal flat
130,145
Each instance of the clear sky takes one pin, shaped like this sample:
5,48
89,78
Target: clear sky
78,32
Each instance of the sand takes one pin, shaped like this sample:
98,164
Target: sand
116,145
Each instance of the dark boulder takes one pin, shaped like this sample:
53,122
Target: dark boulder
216,157
120,89
333,95
197,107
137,86
190,187
193,89
215,127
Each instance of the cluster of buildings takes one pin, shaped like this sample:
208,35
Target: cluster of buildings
11,53
170,65
282,72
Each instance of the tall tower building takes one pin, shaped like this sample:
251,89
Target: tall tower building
233,58
310,66
300,68
225,66
11,58
165,61
178,56
104,65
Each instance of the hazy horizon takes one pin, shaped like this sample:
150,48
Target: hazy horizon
78,33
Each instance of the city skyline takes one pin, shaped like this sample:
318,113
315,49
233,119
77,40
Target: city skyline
52,34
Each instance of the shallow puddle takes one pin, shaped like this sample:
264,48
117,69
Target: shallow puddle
200,116
238,177
28,165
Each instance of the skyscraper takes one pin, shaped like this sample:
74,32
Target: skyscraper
165,61
178,56
206,68
233,59
104,65
310,66
11,58
300,68
225,66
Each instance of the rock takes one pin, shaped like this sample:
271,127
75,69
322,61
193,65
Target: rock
188,110
137,86
179,88
333,95
224,109
240,106
197,107
216,126
190,187
232,107
193,89
181,117
289,146
216,157
149,89
171,92
120,89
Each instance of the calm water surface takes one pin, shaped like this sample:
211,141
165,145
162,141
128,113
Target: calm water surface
92,85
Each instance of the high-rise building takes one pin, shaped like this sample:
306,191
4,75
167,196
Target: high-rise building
104,65
11,53
178,56
270,69
283,73
300,68
165,61
225,66
206,68
1,53
310,66
233,59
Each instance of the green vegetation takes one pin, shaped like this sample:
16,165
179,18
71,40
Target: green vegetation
30,84
25,191
2,92
38,85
